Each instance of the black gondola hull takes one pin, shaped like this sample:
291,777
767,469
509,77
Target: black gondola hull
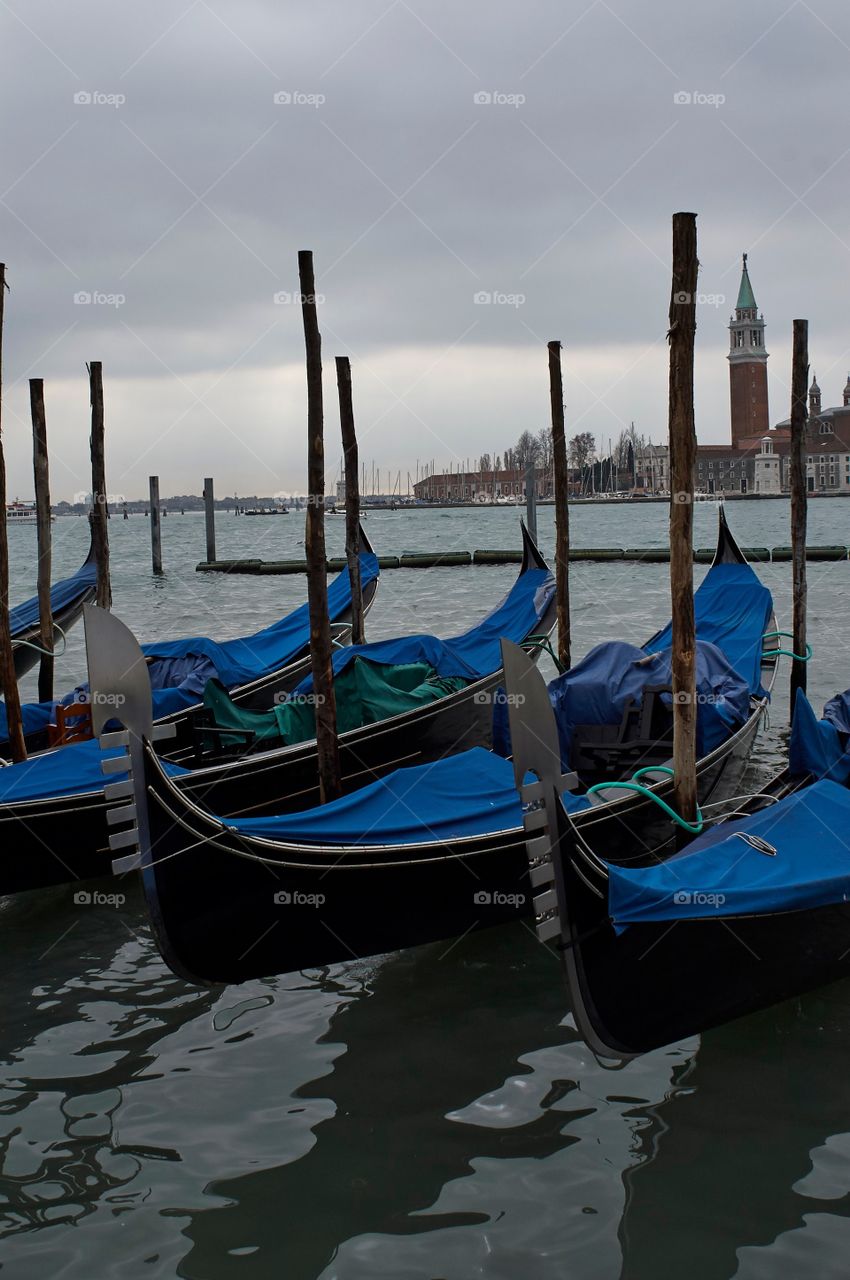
217,920
657,983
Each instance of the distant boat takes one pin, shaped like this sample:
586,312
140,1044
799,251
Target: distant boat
21,513
266,511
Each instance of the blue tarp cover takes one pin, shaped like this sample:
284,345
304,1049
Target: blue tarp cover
837,712
68,771
469,794
62,593
733,611
473,654
817,747
719,875
597,690
181,668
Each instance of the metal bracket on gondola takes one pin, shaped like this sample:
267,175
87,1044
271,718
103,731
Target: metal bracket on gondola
125,790
536,750
538,848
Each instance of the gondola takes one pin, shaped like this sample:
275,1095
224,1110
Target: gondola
67,598
423,854
255,668
53,811
754,910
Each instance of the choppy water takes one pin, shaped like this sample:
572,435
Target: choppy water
429,1115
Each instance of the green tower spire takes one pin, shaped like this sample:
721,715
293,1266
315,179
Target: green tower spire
746,300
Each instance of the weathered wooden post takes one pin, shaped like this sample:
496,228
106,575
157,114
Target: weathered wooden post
99,511
682,460
41,477
799,415
531,498
7,658
562,510
156,526
314,543
352,497
209,517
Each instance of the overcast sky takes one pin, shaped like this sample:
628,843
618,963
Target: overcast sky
427,152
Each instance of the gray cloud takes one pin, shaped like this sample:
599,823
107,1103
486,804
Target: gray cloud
190,199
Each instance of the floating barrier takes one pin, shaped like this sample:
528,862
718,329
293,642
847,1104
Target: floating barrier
598,553
648,555
813,553
434,559
497,557
449,559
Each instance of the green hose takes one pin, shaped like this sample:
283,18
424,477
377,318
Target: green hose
785,653
641,790
544,643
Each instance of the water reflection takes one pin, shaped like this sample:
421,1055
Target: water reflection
437,1157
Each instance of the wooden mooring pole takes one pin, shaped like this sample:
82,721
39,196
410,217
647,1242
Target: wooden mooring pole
314,544
99,511
156,526
531,498
209,517
41,477
682,460
799,416
352,497
562,510
7,658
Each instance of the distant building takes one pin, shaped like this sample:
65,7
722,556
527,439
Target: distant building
481,486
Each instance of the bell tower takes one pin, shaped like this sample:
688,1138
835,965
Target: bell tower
747,366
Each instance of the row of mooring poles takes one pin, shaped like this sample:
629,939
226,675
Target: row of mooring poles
99,534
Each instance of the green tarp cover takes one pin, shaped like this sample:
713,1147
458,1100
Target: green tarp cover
366,692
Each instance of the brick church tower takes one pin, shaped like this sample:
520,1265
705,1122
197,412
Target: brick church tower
747,367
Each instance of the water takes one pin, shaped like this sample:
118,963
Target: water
423,1116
